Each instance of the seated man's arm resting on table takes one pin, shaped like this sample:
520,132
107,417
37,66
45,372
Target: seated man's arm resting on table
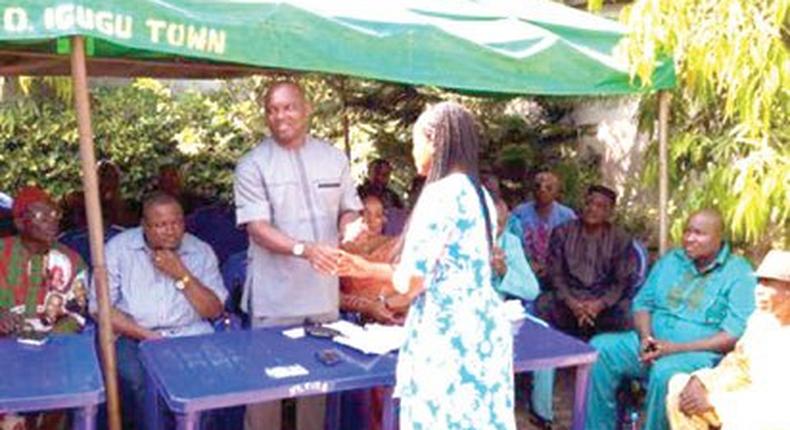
124,325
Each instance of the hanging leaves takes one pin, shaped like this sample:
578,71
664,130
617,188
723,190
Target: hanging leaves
730,134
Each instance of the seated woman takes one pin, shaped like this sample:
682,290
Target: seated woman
374,300
512,275
514,278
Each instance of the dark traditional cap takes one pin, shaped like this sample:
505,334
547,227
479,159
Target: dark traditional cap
605,191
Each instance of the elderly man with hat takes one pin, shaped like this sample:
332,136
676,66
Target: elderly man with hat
747,389
690,311
35,269
590,265
38,276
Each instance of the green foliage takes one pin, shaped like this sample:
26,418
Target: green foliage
730,122
142,126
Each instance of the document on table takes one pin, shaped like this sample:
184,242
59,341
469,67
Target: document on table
514,312
370,339
280,372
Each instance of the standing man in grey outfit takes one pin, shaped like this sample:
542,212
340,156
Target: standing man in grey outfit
294,195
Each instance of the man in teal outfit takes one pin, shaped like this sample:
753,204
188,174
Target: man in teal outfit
691,310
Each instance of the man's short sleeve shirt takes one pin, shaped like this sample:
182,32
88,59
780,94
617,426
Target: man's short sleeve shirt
301,192
688,305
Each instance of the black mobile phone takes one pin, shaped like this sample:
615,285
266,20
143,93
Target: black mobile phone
321,331
30,337
651,347
329,357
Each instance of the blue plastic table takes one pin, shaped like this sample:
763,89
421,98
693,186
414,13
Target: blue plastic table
61,374
194,374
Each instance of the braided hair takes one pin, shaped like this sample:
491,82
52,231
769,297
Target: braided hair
453,131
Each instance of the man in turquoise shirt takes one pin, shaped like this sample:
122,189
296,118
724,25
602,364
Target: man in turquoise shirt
691,310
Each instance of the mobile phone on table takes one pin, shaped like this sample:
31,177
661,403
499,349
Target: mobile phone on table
321,331
329,357
31,337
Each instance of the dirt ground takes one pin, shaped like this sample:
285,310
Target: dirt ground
563,403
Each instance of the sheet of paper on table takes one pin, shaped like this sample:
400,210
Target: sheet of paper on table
515,312
370,339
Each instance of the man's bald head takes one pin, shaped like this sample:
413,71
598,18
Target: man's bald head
287,113
284,86
702,237
711,216
547,188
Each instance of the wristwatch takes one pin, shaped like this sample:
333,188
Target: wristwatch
298,249
182,283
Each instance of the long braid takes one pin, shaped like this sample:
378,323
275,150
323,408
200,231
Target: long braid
454,132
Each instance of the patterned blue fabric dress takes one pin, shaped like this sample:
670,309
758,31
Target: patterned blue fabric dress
455,370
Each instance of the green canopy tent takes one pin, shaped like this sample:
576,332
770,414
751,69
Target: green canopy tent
489,46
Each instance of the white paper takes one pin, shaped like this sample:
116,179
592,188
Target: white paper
346,329
514,311
280,372
294,333
373,338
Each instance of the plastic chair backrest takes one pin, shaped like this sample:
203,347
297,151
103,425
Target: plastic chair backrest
234,273
216,225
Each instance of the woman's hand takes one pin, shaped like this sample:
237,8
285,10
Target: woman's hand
498,261
352,265
381,313
399,303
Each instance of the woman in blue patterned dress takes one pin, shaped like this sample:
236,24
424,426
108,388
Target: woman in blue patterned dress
455,370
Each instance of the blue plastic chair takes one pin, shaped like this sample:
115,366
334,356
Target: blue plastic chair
79,241
234,273
216,225
643,259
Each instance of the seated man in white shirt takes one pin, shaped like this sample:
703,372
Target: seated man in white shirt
163,282
747,389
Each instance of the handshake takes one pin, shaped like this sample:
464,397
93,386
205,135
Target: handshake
332,261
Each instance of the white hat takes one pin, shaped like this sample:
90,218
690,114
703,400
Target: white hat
775,265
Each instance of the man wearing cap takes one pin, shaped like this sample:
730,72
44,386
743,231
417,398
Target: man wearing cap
294,195
589,267
37,276
34,267
690,311
748,388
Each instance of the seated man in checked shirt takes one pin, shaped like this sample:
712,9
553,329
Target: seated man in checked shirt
163,282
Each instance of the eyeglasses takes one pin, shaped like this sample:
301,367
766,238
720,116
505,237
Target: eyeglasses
42,214
165,225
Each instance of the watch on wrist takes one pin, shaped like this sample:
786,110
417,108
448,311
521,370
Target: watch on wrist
182,283
298,249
